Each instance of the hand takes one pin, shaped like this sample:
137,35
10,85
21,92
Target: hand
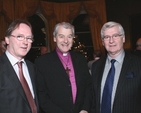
83,111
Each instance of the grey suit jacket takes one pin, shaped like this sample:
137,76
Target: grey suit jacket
128,93
12,96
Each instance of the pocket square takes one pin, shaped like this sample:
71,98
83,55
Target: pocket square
130,75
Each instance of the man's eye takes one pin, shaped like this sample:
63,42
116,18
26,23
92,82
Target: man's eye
29,38
61,36
19,36
69,36
106,37
115,36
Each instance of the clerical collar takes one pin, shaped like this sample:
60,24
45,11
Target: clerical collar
65,54
60,53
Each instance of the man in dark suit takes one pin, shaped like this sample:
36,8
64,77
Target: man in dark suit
64,83
125,91
13,82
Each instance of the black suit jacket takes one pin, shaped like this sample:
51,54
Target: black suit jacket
128,93
12,96
54,88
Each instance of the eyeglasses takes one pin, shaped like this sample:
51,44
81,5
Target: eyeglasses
115,36
63,36
22,37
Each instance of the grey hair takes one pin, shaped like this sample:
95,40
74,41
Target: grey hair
110,25
65,25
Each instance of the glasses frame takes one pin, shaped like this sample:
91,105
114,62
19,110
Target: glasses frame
22,37
115,36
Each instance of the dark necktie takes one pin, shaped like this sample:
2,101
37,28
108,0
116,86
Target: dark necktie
107,92
26,89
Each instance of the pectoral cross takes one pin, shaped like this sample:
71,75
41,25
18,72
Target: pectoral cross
68,70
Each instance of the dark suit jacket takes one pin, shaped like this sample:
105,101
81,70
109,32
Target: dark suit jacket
55,95
137,52
12,96
128,92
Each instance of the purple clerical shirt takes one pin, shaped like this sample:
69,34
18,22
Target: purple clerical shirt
67,62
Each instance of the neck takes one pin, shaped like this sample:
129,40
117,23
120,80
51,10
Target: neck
61,53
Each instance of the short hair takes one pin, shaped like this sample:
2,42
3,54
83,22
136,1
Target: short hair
65,25
110,25
15,24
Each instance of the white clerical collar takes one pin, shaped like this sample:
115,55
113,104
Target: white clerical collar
65,54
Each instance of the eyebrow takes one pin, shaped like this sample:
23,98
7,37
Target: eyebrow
64,35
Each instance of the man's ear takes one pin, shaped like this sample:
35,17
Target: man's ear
123,39
103,43
7,40
54,39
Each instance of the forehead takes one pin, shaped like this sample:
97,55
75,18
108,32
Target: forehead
111,30
23,28
64,31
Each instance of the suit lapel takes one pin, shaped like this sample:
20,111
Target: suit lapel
57,63
11,74
126,65
100,74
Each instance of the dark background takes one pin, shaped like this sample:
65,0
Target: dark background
126,12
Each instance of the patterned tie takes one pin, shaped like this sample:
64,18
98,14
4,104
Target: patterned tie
26,89
107,92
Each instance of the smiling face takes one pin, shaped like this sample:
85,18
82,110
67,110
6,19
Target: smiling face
64,39
114,46
16,47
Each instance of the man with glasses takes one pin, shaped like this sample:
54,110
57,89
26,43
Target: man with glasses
17,75
63,82
116,76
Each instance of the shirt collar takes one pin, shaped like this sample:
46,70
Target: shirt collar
60,53
12,59
119,58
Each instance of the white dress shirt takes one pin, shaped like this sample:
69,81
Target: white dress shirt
118,65
13,62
